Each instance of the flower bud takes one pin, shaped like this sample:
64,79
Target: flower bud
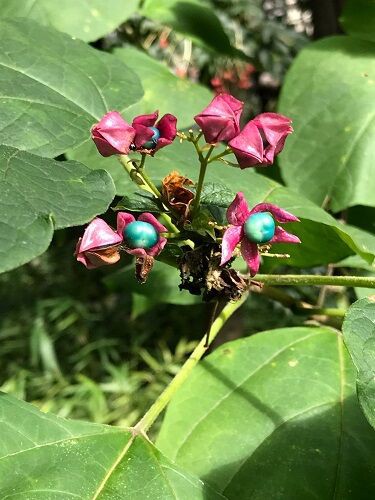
112,135
220,121
261,140
99,245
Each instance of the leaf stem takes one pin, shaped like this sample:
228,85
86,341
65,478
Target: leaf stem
162,401
312,279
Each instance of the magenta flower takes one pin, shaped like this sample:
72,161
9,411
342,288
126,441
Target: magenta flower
141,237
261,140
220,121
112,135
152,135
99,245
253,227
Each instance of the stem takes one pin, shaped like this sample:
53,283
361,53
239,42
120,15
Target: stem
217,157
311,279
152,414
202,172
130,168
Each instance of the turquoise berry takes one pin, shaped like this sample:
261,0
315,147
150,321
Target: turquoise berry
151,144
260,227
139,234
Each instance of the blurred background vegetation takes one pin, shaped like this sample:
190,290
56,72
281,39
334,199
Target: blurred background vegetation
95,345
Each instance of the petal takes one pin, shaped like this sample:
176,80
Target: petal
142,135
147,217
281,236
146,120
275,127
231,238
248,146
167,127
217,128
162,142
238,210
112,135
123,219
156,249
102,257
251,255
219,121
97,235
138,252
279,214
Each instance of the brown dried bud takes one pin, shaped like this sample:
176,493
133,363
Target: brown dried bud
176,193
143,266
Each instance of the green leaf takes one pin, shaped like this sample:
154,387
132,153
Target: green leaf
138,201
274,416
358,19
216,198
46,457
317,225
86,19
327,93
164,91
193,18
359,336
39,195
54,88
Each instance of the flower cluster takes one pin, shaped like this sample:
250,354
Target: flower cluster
114,136
257,143
205,263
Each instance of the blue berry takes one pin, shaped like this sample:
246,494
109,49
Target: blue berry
139,234
151,143
260,227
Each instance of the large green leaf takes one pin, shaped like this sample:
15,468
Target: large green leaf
85,19
358,18
194,18
53,88
359,336
327,94
39,195
274,416
325,240
164,91
46,457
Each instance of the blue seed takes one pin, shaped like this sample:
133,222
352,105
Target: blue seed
260,227
151,144
139,234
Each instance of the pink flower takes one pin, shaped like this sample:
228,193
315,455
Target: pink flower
246,229
99,245
124,219
112,135
220,121
261,140
148,129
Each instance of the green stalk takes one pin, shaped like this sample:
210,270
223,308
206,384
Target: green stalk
202,172
127,163
312,279
162,401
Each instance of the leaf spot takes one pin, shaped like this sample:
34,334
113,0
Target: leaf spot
293,362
